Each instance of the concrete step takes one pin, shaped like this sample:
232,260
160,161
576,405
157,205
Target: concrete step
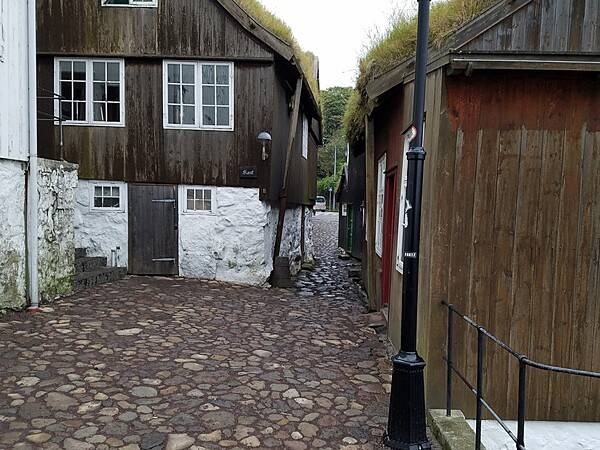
86,280
80,253
89,263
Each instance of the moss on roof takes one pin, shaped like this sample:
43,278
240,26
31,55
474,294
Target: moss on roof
280,29
399,43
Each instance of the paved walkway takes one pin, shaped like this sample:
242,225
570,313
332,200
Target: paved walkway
156,363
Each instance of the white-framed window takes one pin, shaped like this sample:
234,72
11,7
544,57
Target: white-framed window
92,91
381,167
107,196
402,218
130,3
198,95
304,137
198,200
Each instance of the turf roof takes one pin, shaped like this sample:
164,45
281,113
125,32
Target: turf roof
399,43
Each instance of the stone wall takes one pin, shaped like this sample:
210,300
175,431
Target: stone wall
13,292
228,244
292,236
309,249
56,209
100,231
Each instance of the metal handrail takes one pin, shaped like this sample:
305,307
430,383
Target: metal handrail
524,362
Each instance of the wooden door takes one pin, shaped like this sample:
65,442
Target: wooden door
153,233
389,217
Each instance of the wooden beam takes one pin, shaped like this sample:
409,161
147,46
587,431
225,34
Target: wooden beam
370,201
288,159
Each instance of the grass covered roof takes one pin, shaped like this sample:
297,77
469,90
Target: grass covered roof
398,43
280,29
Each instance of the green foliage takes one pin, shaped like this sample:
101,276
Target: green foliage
333,104
324,184
398,43
280,29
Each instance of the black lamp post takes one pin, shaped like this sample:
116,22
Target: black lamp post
406,420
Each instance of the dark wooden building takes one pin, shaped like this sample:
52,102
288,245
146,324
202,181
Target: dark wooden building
351,200
167,97
511,216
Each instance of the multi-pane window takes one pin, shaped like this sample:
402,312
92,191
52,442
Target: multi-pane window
199,95
147,3
91,91
381,166
199,200
107,197
304,137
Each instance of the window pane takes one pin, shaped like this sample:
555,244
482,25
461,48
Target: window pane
113,112
97,202
174,94
99,71
208,74
99,92
97,190
223,117
206,205
222,95
209,115
174,73
111,202
190,204
208,95
113,92
174,115
100,112
79,70
79,111
79,91
222,74
65,70
65,90
106,191
115,191
112,71
199,206
189,93
207,194
67,111
189,115
187,74
190,194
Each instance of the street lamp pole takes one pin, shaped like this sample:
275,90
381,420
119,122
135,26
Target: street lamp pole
406,421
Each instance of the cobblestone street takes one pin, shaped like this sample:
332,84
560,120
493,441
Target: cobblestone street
157,363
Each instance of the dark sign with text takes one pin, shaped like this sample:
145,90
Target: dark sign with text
249,172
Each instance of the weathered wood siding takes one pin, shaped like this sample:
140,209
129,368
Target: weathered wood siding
14,89
353,193
511,227
144,152
545,26
185,28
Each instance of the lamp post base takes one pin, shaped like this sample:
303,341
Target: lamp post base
407,429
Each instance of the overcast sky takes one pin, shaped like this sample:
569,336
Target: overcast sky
336,30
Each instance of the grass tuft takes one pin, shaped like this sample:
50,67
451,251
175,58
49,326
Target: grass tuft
398,43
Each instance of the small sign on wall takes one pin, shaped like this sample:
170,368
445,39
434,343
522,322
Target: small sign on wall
344,210
249,172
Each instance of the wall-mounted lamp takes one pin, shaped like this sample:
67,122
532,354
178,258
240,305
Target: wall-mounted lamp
264,137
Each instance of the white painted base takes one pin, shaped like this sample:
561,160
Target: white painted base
100,231
542,435
12,235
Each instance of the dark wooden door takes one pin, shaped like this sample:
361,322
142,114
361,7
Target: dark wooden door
153,233
389,217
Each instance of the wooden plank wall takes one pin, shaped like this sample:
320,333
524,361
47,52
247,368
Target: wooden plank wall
513,231
545,26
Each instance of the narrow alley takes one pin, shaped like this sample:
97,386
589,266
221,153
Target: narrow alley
153,363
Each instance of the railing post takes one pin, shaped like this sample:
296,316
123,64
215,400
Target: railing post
449,362
480,354
521,407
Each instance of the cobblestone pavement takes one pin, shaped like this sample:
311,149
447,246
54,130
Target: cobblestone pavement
158,363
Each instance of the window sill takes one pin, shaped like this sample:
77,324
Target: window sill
199,213
194,128
91,124
131,6
106,210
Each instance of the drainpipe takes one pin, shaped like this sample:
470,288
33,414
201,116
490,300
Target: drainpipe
32,191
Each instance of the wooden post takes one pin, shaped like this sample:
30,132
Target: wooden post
284,184
370,207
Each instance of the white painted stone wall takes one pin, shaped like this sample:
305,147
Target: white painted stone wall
309,248
543,435
56,209
291,238
230,244
12,235
100,231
